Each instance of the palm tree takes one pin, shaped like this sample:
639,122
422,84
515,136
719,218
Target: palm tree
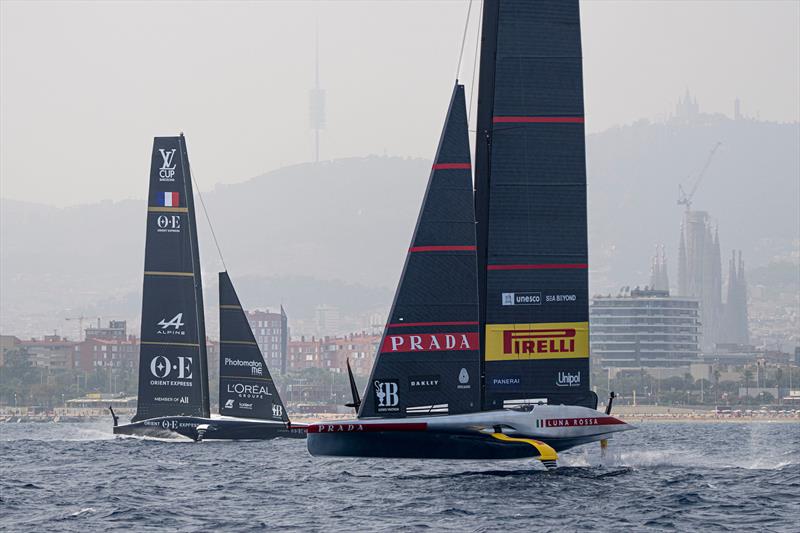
748,375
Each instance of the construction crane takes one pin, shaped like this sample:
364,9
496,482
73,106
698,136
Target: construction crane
686,199
80,320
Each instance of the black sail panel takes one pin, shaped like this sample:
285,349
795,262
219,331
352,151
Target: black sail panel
246,388
172,366
429,358
531,205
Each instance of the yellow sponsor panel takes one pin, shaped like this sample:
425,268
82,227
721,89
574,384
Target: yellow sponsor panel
557,340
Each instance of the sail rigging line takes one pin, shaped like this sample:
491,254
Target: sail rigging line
474,68
208,219
463,40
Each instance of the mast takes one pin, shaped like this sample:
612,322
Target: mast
198,281
483,145
530,205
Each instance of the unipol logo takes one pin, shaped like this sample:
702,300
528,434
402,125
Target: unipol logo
162,367
277,411
173,326
167,170
567,379
168,224
386,397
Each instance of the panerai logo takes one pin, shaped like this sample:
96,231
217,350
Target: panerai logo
167,170
566,379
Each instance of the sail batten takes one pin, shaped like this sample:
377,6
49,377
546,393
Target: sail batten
173,376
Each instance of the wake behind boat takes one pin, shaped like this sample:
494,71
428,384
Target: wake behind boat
486,351
173,396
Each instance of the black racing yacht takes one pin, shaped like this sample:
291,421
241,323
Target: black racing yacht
173,399
486,351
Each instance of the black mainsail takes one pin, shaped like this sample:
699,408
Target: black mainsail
429,358
173,368
246,388
531,205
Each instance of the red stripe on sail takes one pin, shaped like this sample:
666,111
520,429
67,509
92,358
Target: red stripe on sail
420,324
538,120
543,266
442,248
452,166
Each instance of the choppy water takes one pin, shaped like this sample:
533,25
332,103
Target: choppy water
692,476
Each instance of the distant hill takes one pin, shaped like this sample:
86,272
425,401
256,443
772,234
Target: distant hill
342,226
336,232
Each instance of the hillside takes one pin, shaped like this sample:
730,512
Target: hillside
336,232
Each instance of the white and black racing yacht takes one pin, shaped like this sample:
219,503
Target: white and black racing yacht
173,366
486,351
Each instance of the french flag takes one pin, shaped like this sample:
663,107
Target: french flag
169,199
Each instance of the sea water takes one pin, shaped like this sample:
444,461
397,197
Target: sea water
681,476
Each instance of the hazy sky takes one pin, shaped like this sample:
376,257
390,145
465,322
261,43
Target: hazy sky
86,85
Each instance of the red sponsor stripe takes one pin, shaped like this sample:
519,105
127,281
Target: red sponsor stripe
356,427
538,120
442,248
452,166
542,266
581,421
608,420
416,324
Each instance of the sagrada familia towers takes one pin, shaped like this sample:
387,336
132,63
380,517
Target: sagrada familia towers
700,276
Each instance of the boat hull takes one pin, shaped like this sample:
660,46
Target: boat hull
469,436
178,427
